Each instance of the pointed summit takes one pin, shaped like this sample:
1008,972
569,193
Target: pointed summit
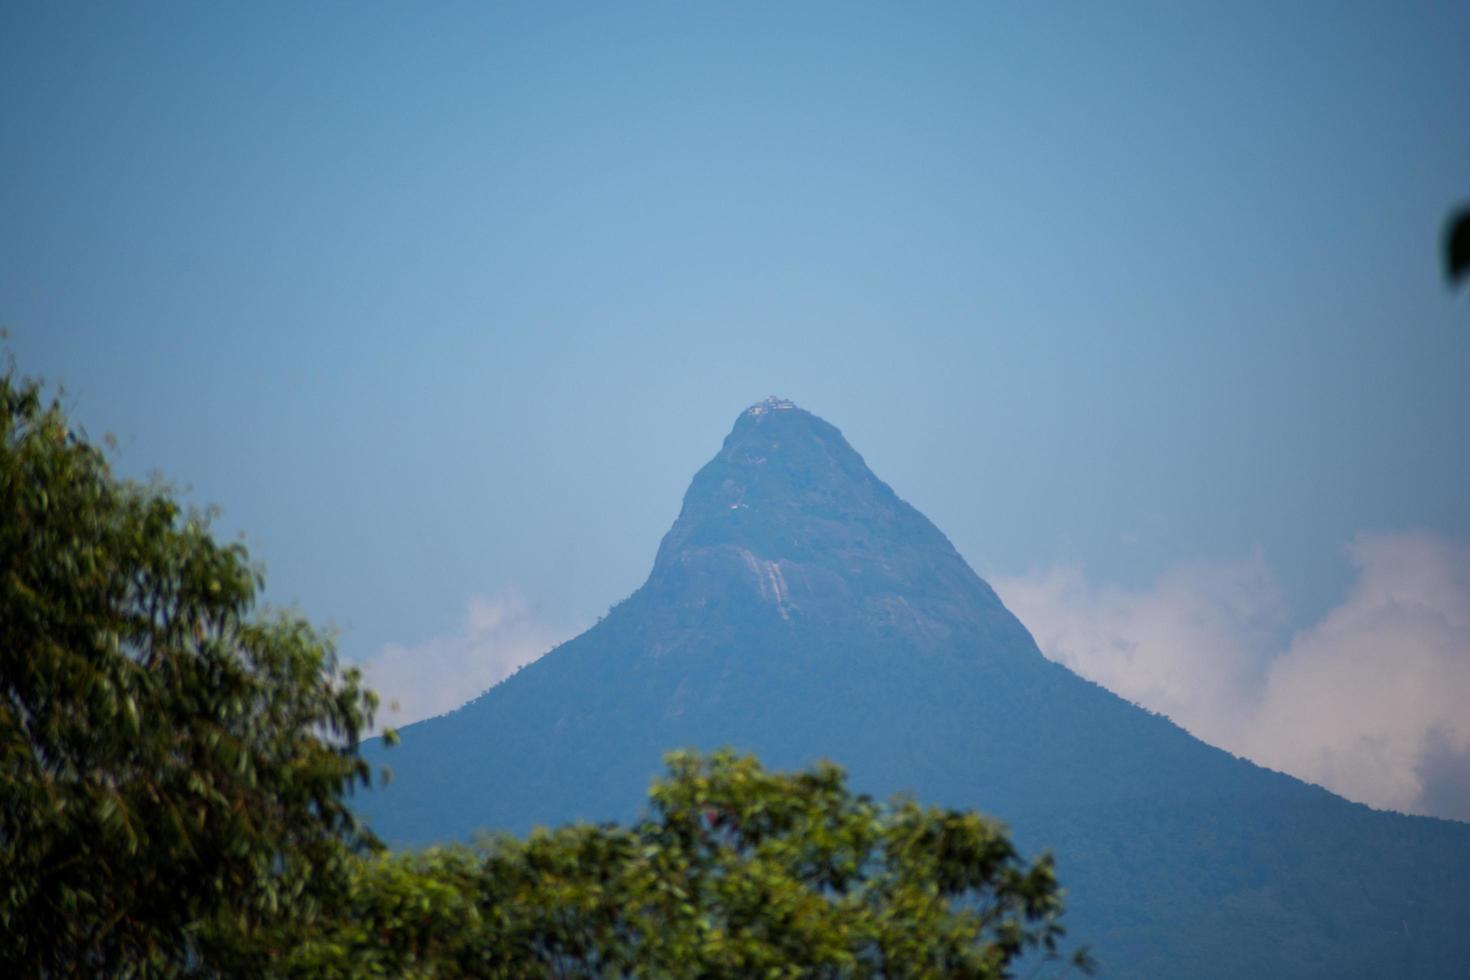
782,476
788,512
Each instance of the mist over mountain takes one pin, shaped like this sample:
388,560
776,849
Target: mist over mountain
799,609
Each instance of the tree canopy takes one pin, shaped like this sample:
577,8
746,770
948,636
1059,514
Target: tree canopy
172,766
734,872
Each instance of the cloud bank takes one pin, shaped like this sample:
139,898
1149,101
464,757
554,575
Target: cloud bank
498,636
1373,702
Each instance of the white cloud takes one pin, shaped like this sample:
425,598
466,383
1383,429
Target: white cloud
497,636
1370,702
1190,648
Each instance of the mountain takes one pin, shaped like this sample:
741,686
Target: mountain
798,608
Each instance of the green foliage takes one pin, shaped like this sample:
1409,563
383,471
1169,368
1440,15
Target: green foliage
735,872
172,768
409,914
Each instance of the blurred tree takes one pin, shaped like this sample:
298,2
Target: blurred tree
1457,246
172,768
736,872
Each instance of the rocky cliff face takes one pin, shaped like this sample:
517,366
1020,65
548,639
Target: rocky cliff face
798,608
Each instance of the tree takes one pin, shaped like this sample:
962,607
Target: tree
1457,246
735,872
172,766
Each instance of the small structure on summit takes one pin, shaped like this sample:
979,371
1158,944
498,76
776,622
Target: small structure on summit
771,404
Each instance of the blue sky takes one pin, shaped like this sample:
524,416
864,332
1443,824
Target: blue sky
443,307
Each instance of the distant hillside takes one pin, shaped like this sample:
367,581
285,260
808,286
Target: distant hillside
798,608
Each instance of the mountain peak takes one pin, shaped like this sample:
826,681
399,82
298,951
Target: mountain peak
799,609
781,475
789,516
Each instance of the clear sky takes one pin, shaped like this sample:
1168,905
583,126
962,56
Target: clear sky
444,304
